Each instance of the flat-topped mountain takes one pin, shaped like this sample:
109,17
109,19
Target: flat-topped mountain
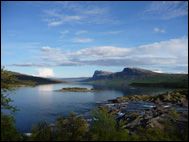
137,71
127,72
138,77
99,74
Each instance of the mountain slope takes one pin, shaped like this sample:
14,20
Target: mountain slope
32,80
140,77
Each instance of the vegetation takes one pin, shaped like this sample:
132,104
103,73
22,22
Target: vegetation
8,129
28,80
103,128
157,80
75,89
178,96
41,132
72,128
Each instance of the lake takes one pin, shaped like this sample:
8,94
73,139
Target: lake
42,102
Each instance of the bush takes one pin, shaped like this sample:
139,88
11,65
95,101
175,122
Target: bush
72,128
41,132
105,127
8,129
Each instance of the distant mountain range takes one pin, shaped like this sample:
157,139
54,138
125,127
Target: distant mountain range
124,78
138,77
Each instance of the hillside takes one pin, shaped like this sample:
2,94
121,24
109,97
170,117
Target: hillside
139,77
23,79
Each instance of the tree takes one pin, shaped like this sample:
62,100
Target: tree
72,128
7,84
41,132
105,127
8,129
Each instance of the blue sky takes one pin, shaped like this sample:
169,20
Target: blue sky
73,39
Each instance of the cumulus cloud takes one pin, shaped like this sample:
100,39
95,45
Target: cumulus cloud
101,52
164,54
45,72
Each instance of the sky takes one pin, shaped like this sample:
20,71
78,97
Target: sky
73,39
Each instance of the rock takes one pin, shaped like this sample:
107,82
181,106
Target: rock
184,102
136,122
155,123
136,71
115,101
100,74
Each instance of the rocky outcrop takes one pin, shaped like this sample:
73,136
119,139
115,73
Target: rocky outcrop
178,97
127,72
98,74
161,108
136,71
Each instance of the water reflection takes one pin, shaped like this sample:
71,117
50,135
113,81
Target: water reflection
48,87
105,95
43,103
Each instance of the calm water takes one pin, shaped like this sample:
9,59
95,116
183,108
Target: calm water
43,103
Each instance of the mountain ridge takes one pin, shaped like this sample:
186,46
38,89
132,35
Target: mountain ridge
139,77
25,79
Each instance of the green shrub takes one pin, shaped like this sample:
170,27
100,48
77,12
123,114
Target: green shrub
41,132
72,128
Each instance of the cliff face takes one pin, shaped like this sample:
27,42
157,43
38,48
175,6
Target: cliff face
127,72
134,72
101,74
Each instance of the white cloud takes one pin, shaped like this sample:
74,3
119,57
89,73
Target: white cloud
158,71
164,54
101,52
78,13
46,48
159,30
28,64
166,10
45,72
83,40
55,17
61,19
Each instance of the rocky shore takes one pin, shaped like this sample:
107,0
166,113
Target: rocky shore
151,111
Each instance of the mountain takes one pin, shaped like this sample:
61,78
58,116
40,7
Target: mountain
34,80
98,74
136,72
138,77
127,72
